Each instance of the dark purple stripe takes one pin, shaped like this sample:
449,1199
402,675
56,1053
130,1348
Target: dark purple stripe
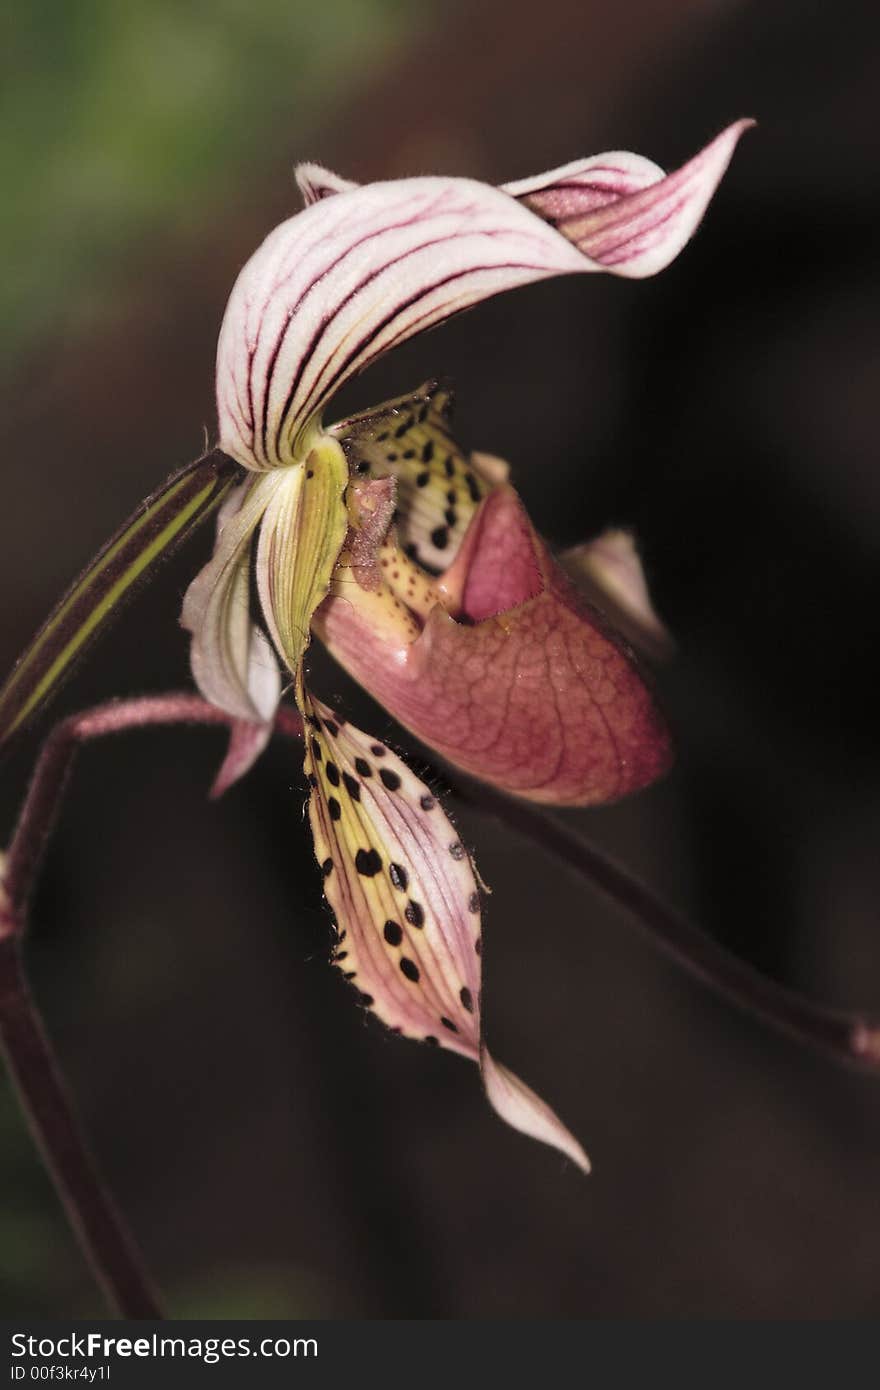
401,308
643,229
292,312
646,200
307,354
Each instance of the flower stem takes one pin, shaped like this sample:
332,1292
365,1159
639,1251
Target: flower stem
47,1106
45,1101
848,1038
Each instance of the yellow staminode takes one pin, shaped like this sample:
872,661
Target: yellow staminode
302,533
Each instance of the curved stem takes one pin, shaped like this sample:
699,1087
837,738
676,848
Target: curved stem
848,1038
47,1106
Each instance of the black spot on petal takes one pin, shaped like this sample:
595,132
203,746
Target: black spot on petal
456,849
331,727
427,802
440,537
435,1042
393,933
474,902
428,451
450,466
409,453
472,487
409,969
367,1000
415,914
378,750
422,479
363,767
447,1023
450,516
333,774
402,428
352,786
367,862
327,867
399,877
466,998
389,778
334,808
313,781
316,750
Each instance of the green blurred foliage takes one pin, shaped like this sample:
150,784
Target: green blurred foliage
119,123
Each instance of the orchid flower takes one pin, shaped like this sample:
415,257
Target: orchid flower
415,563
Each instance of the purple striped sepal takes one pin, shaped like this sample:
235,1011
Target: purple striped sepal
361,269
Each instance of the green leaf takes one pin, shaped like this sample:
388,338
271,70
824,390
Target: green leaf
151,534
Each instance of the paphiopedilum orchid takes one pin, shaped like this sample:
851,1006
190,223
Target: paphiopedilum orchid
415,563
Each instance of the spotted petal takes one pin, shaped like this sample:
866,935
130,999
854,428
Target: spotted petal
407,907
357,272
438,488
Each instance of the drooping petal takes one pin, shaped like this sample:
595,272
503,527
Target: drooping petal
302,533
355,273
232,663
521,683
98,595
608,572
406,906
517,1103
438,489
246,743
622,212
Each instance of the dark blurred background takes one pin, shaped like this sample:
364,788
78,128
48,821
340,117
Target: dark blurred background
275,1152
